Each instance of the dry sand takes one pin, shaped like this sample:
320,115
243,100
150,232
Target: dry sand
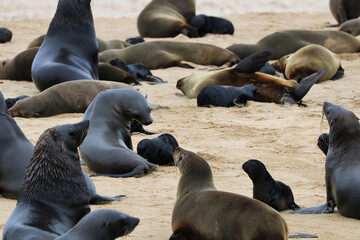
283,137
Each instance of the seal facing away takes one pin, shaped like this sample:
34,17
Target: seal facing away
5,35
308,60
70,50
164,54
276,194
167,18
269,88
202,212
342,176
289,41
158,150
107,149
343,10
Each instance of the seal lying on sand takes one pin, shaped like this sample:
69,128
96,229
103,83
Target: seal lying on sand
164,54
202,212
269,88
289,41
70,50
308,60
274,193
343,10
5,35
107,149
351,26
209,24
342,176
167,18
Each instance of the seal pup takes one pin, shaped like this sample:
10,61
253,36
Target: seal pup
342,177
232,216
104,224
276,194
289,41
135,40
269,88
167,18
308,60
107,149
70,50
343,10
5,35
208,24
351,26
158,150
164,54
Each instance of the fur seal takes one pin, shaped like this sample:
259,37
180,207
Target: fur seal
158,150
135,40
276,194
5,35
269,88
11,101
225,96
308,60
289,41
167,18
232,216
109,133
341,168
164,54
343,10
208,24
70,50
351,26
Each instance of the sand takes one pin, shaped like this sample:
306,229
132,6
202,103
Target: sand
282,137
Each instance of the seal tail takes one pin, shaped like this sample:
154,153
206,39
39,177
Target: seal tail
253,63
305,85
302,235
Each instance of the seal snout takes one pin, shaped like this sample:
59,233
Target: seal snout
179,84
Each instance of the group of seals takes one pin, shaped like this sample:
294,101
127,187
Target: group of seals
343,10
5,35
110,114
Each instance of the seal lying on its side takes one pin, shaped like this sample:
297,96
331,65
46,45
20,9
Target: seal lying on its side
209,24
276,194
202,212
107,149
342,165
5,35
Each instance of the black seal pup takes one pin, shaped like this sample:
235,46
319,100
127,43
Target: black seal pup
5,35
208,24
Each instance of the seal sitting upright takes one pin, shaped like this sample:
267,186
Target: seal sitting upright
202,212
70,50
107,149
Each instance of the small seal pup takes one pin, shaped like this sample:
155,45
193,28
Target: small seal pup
70,50
5,35
203,212
208,24
308,60
276,194
342,177
351,26
107,149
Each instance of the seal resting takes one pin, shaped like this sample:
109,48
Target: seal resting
164,54
167,18
270,88
232,216
276,194
309,60
343,10
107,149
289,41
5,35
351,26
342,177
158,150
208,24
70,50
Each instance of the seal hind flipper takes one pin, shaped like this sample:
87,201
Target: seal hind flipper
183,65
138,171
315,210
240,101
305,85
253,63
339,74
302,235
98,199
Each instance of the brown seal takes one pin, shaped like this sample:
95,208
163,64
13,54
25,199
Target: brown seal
289,41
203,212
308,60
164,54
343,10
351,26
167,18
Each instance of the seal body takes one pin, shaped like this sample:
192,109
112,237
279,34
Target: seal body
5,35
167,18
343,10
164,54
107,149
276,194
70,50
232,216
351,26
208,24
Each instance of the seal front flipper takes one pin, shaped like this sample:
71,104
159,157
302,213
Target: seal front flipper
323,142
253,63
137,127
294,206
305,85
339,74
136,172
302,235
183,65
326,208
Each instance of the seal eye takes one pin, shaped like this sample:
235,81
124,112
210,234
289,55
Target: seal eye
180,157
71,132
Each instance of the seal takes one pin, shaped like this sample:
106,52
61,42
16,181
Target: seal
208,24
269,88
164,54
341,168
308,60
109,133
232,216
343,10
351,26
5,35
158,150
276,194
104,224
167,18
11,101
225,96
41,212
135,40
108,72
289,41
70,50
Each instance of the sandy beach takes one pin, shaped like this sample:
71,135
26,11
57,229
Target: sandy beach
283,137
